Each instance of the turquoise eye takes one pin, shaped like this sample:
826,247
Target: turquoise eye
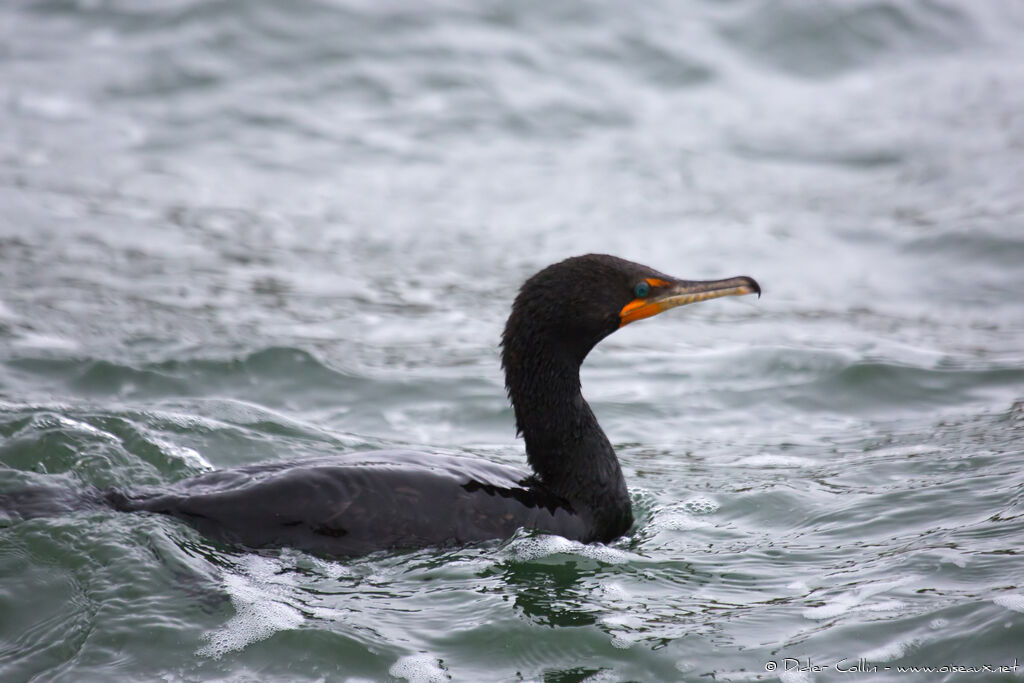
641,290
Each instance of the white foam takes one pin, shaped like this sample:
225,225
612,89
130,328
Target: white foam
884,606
53,106
36,407
889,651
6,312
259,597
795,676
841,605
615,591
678,521
906,451
537,547
622,641
189,456
853,601
774,460
684,516
684,666
45,341
419,668
1014,601
953,557
625,629
77,425
187,421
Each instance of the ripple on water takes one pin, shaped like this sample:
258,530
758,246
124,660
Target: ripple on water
263,375
834,38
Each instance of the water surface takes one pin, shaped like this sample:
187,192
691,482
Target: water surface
234,233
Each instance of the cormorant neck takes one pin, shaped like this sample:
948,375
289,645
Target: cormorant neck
565,445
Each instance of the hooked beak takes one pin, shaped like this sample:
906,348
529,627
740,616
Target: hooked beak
665,295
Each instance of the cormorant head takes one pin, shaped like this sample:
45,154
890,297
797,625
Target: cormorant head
570,306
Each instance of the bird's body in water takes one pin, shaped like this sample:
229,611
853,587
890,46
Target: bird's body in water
361,502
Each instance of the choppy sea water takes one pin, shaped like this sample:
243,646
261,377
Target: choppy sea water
240,232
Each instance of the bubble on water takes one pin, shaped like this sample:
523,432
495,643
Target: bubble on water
676,521
1014,601
260,599
621,641
700,505
684,516
938,623
419,668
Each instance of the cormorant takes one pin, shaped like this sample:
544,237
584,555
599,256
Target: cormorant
358,503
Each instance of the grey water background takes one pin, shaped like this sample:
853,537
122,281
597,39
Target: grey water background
240,232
